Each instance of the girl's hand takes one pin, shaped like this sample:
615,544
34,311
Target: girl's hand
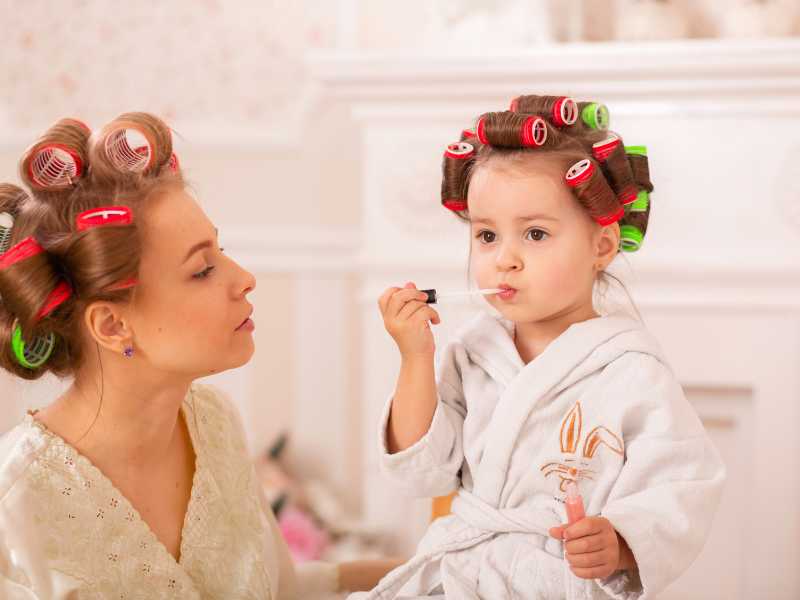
406,317
593,548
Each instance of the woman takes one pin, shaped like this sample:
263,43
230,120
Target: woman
135,483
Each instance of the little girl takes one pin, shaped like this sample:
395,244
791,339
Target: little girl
550,392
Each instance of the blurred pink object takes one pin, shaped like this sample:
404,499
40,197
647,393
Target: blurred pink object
305,539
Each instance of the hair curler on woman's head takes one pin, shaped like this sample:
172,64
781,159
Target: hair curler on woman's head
73,237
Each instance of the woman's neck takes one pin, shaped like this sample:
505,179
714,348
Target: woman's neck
532,338
135,424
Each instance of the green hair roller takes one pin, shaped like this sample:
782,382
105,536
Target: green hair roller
631,238
636,150
35,356
596,116
641,203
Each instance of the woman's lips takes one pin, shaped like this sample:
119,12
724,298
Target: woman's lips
247,325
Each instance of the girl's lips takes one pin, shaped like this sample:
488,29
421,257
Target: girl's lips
507,293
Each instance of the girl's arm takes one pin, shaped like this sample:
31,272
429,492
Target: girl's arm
407,318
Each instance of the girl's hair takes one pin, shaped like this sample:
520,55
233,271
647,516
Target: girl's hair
611,181
67,172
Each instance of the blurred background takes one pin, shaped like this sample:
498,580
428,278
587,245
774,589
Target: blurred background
312,131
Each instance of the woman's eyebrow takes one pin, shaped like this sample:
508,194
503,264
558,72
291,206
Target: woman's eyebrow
200,246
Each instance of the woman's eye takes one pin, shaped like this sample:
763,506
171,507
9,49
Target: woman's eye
204,273
537,235
487,237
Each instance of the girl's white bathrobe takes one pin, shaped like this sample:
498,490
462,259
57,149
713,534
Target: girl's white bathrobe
599,405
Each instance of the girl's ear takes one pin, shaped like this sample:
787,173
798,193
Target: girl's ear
607,246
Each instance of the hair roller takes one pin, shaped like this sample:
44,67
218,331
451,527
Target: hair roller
560,110
514,130
11,199
29,256
637,156
58,159
593,192
133,143
594,116
457,159
611,154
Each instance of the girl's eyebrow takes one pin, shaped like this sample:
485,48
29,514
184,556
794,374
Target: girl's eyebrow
537,217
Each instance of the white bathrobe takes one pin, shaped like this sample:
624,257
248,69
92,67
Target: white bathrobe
600,406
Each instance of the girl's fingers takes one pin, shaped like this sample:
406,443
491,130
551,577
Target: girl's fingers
584,527
422,312
588,560
383,301
409,308
400,298
593,572
589,543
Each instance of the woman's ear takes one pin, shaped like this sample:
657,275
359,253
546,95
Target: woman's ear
607,246
108,325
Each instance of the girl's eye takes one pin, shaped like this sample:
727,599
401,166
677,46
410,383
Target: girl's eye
537,235
487,237
204,273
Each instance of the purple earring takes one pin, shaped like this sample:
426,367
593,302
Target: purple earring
128,352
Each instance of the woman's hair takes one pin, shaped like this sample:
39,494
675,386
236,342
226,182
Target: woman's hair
609,180
63,253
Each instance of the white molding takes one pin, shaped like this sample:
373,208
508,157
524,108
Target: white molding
705,77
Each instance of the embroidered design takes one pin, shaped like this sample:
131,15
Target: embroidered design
573,468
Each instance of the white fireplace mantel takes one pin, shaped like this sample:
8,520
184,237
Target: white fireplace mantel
702,76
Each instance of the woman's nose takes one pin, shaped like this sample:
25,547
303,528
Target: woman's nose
246,281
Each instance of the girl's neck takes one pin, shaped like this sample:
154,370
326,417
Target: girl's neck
532,338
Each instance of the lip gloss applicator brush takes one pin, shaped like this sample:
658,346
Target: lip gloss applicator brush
434,296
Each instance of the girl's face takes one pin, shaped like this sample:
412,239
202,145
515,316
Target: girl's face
191,299
529,234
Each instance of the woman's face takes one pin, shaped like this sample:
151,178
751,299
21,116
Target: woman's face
530,234
191,302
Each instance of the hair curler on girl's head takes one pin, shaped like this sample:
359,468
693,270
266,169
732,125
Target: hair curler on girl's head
611,181
73,238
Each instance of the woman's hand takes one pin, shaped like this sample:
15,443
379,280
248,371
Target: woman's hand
593,548
406,317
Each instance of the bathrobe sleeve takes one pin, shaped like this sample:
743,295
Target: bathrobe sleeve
432,466
667,492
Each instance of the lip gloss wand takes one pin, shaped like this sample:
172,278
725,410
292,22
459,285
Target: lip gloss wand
434,296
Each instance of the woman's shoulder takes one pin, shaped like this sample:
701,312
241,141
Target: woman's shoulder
20,447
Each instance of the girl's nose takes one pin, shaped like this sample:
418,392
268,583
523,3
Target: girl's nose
508,259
